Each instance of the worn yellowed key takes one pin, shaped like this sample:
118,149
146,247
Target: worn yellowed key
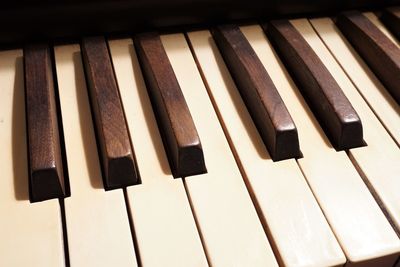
376,161
30,234
286,205
96,221
163,223
367,84
231,232
360,226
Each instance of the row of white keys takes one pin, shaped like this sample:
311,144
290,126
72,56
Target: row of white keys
359,225
379,99
230,228
290,214
97,222
378,161
164,226
30,234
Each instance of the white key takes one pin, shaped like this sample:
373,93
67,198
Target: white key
378,161
30,234
286,205
372,90
231,231
355,218
164,226
97,221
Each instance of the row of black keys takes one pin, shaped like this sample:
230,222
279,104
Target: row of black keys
333,110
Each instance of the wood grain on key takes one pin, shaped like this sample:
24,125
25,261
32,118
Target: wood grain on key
263,101
119,167
380,53
45,160
97,222
333,110
372,90
31,235
391,18
175,121
160,197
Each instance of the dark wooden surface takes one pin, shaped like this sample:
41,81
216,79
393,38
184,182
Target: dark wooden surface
391,20
116,153
322,93
378,51
176,125
46,175
260,95
27,20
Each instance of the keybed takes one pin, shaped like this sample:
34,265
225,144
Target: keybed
260,145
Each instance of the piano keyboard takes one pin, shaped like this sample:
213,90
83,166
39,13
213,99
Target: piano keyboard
197,148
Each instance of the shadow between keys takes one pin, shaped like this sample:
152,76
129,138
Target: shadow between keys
19,137
85,120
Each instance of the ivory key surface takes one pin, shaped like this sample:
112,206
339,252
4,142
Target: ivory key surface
376,160
30,234
164,226
290,214
355,218
231,231
97,221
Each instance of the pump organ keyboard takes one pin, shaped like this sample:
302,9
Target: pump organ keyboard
327,207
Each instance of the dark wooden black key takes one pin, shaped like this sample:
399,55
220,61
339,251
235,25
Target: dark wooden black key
46,174
177,128
378,51
322,93
391,18
262,99
117,156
